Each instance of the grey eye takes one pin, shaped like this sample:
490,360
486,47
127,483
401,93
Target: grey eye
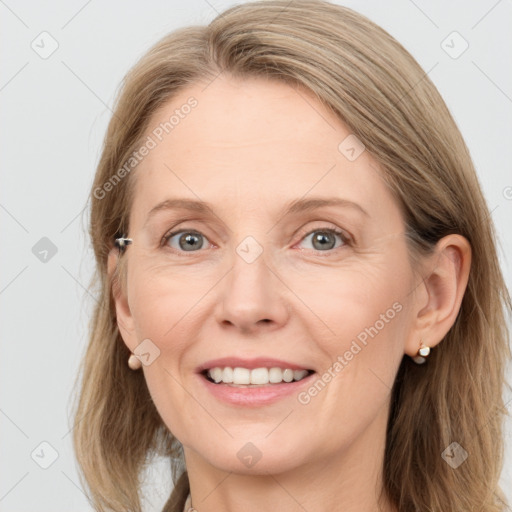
324,239
188,241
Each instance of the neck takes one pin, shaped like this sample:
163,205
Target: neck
348,480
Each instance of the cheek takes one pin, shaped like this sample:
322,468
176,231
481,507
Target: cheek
161,303
361,328
355,303
162,310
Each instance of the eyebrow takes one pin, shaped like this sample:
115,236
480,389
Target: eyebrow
292,208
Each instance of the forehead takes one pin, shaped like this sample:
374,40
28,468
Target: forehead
237,117
252,143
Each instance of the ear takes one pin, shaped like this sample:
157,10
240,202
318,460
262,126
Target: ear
123,314
439,296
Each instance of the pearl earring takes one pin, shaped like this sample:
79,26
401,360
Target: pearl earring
422,354
134,362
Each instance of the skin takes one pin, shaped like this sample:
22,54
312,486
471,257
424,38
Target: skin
248,148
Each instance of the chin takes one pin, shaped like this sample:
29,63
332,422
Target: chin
257,457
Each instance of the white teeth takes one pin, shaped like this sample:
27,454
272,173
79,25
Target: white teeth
288,375
275,375
299,374
259,376
256,376
241,376
216,374
227,374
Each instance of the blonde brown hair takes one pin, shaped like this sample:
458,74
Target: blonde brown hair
375,86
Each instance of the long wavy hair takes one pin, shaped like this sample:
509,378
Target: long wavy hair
370,81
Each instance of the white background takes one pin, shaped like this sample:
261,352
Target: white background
53,119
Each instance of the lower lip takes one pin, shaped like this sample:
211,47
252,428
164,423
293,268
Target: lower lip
254,396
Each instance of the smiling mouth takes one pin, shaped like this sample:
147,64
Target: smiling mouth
257,377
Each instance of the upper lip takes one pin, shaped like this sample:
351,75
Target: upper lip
258,362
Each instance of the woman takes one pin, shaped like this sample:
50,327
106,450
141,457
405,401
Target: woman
300,301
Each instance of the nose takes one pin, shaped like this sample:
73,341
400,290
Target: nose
252,297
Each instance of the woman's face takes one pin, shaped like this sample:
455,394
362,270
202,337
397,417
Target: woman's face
262,277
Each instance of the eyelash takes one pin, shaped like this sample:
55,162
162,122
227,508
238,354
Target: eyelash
347,241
